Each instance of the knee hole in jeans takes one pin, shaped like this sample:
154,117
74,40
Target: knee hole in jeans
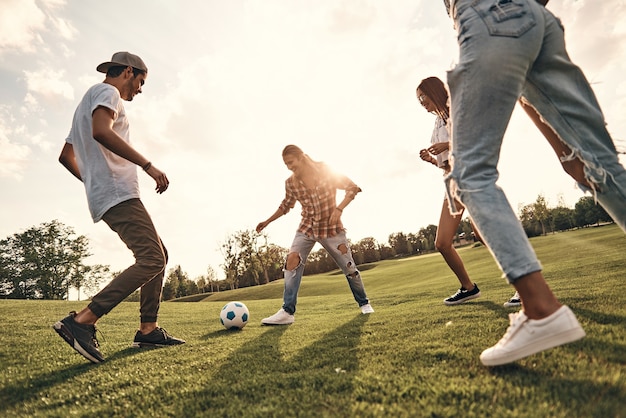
293,261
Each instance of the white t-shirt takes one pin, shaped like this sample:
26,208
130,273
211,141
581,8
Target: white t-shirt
440,134
108,178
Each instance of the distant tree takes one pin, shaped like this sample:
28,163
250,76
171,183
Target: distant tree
529,221
178,284
400,243
211,280
416,243
202,284
231,265
45,262
465,228
562,218
427,236
370,250
386,252
90,278
588,212
249,260
319,262
542,214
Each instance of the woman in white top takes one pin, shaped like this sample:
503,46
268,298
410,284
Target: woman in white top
433,95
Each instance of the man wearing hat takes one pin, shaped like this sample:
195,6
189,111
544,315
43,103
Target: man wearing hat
98,152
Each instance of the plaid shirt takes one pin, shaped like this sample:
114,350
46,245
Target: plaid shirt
318,203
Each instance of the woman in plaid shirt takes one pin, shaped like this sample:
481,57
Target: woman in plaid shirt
315,186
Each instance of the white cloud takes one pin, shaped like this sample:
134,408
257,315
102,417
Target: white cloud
20,24
49,84
13,156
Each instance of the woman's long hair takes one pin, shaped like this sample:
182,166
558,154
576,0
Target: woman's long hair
296,152
436,91
318,166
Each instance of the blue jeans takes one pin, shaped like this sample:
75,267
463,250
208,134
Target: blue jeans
511,49
339,249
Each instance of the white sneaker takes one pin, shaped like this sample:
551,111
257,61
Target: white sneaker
529,336
514,301
367,308
282,317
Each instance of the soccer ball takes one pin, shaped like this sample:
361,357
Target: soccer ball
234,315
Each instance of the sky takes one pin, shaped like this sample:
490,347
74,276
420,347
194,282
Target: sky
230,83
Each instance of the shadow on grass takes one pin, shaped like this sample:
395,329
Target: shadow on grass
25,390
582,398
257,379
588,397
599,317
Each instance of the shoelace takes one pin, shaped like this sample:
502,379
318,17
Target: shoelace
94,340
460,292
163,333
516,320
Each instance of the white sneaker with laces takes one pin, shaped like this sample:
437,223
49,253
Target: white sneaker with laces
529,336
282,317
367,309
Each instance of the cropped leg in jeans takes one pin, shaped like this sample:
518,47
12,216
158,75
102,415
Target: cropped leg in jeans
339,250
508,49
560,93
132,223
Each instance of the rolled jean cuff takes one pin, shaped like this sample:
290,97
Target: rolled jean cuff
531,269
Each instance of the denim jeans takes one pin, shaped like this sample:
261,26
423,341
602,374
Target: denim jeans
511,49
133,224
339,249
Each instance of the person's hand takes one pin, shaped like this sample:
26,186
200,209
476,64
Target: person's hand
438,148
162,183
335,217
425,155
261,226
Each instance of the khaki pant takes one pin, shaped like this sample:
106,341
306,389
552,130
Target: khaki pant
132,223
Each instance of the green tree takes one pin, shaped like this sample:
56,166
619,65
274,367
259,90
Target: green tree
370,250
178,284
211,278
231,265
588,212
427,237
246,263
400,243
562,218
45,262
529,221
542,214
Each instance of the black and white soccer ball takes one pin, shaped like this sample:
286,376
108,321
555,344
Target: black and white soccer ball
234,315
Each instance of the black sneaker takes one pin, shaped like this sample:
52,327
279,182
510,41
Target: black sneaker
462,295
157,338
80,337
514,302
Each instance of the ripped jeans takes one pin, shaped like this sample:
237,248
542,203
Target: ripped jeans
511,49
339,249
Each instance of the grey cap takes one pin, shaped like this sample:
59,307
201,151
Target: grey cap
125,59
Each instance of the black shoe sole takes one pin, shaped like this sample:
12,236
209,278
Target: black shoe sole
67,336
152,345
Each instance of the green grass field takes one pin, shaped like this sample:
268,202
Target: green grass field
413,357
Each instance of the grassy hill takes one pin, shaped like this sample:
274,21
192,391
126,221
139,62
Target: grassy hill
413,357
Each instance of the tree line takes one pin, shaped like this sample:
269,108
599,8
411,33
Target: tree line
47,261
